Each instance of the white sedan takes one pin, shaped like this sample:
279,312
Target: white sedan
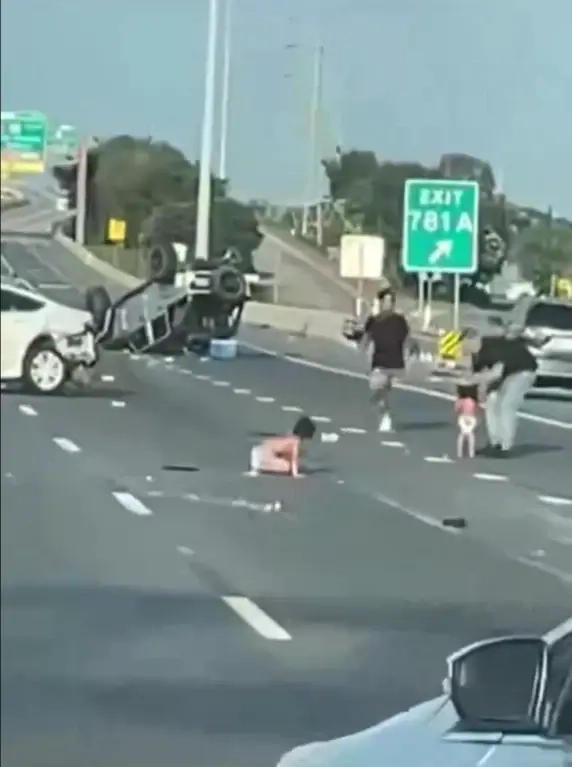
44,344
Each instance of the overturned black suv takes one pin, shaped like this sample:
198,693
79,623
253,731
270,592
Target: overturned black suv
179,306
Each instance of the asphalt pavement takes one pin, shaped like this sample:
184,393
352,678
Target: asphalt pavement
158,610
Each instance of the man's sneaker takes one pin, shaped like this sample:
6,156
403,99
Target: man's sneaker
385,424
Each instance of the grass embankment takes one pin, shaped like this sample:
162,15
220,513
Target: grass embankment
129,260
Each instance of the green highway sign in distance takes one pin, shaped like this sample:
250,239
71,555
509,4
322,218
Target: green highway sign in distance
440,226
24,138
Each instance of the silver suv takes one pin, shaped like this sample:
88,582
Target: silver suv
547,323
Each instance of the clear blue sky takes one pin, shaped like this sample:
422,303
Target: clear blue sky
408,78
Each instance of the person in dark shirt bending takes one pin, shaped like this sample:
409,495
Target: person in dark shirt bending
386,331
509,370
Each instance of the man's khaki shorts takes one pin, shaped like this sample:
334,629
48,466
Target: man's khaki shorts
381,380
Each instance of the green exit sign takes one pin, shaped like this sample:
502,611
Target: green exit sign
24,139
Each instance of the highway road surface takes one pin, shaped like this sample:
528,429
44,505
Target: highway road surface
158,610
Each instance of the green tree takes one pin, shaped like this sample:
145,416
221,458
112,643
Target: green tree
368,197
544,250
233,226
153,188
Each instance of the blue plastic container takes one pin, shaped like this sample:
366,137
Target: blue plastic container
223,348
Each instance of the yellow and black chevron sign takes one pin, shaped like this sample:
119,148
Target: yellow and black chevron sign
451,345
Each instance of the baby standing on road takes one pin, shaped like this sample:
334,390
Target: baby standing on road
281,455
467,408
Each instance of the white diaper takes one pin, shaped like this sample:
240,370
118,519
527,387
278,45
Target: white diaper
467,423
256,458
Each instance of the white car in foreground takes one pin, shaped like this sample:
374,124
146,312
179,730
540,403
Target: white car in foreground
507,703
44,344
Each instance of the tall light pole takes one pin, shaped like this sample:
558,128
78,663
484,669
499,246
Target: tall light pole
81,193
204,197
313,159
225,101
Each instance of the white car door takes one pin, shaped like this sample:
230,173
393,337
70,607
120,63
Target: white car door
20,323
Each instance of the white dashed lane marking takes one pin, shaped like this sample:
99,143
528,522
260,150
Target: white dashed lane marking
132,504
391,443
291,409
27,410
202,377
438,459
66,444
352,430
242,391
117,403
555,500
321,418
491,477
107,378
265,399
257,619
221,383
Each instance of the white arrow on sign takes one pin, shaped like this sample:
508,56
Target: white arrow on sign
443,249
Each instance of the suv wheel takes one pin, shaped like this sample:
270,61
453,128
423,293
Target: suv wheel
45,371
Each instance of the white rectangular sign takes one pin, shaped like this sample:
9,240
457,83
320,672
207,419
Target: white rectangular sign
362,256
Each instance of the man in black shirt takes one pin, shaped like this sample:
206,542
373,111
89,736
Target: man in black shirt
387,332
509,368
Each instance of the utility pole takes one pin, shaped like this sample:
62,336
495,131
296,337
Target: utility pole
204,197
81,192
313,159
225,104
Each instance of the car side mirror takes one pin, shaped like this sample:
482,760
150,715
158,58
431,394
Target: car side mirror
499,680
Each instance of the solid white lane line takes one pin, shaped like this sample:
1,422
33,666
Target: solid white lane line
265,399
257,619
291,409
132,504
352,430
66,444
491,477
242,391
555,500
419,516
562,575
27,410
404,386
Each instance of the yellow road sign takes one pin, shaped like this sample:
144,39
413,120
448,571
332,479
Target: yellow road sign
450,345
116,230
564,287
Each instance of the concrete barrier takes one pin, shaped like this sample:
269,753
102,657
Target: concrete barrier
101,267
